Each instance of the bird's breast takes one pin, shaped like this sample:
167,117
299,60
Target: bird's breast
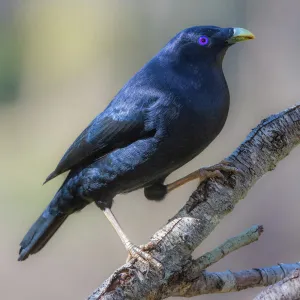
195,121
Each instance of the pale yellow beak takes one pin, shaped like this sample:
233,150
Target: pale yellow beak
240,35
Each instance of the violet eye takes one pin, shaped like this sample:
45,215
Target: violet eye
203,40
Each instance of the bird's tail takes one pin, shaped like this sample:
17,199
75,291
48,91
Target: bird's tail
41,232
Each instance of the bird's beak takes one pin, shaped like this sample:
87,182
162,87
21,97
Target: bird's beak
240,35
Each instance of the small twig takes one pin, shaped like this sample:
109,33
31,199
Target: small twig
286,289
245,238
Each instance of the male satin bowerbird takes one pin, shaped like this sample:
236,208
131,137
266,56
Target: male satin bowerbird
163,117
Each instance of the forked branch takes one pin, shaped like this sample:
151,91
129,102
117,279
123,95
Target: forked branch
265,146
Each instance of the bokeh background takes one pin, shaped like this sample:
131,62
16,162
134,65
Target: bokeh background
61,62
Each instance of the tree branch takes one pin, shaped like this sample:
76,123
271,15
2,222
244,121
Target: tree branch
265,146
286,289
245,238
224,282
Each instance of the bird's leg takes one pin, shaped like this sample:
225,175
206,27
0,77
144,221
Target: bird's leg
203,174
134,251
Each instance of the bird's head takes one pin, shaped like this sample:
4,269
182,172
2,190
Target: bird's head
208,43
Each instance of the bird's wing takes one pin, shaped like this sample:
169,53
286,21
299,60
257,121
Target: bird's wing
106,133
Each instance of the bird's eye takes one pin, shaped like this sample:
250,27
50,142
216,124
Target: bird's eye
203,40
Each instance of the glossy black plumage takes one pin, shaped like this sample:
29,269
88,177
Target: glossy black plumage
169,112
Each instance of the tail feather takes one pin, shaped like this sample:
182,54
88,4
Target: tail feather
40,233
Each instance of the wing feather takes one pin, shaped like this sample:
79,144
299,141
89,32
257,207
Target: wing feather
106,133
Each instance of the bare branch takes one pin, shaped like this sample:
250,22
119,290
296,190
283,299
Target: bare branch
225,282
265,146
286,289
245,238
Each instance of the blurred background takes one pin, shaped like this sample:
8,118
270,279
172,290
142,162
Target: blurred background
61,62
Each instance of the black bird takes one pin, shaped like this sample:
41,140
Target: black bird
163,117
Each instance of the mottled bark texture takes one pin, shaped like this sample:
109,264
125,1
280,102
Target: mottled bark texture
265,146
286,289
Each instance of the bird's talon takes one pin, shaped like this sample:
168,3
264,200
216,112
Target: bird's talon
130,258
225,162
218,174
149,246
138,253
206,173
224,166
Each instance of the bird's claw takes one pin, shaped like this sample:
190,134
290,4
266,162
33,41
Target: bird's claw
215,170
139,253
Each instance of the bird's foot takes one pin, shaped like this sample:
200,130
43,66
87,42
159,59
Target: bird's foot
205,173
140,253
216,170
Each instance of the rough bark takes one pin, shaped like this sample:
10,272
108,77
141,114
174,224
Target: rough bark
264,147
199,283
286,289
